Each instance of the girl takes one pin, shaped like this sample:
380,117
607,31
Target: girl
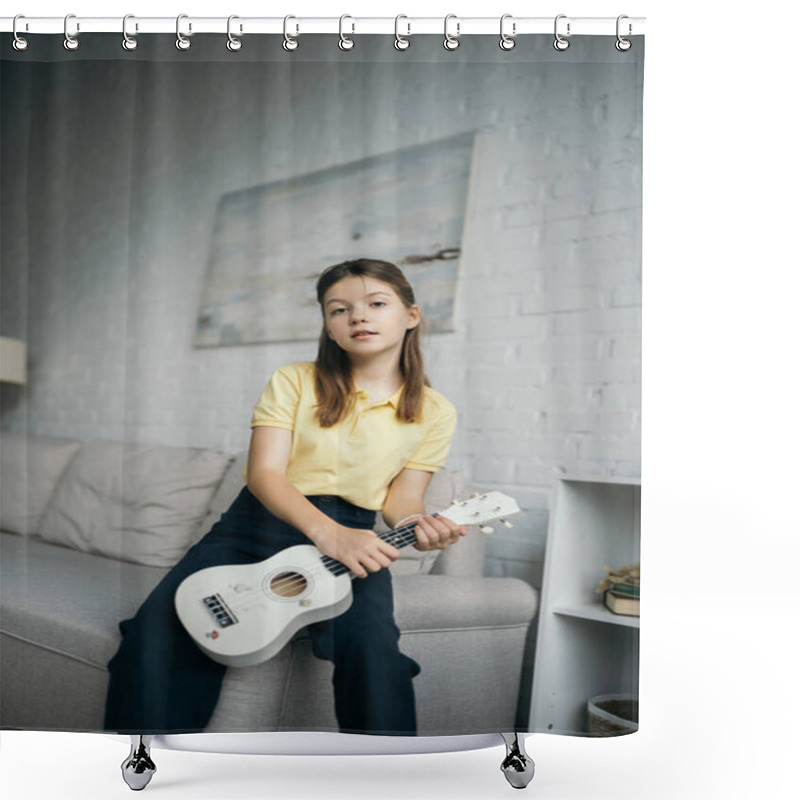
333,442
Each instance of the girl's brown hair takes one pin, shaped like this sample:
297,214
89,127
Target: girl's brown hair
333,382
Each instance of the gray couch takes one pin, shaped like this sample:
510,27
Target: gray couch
89,528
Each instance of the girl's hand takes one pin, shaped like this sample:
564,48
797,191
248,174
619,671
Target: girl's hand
361,551
435,532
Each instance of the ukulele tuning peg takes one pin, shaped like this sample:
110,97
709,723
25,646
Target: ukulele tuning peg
506,523
473,495
486,529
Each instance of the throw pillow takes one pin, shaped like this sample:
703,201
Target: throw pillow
30,467
133,502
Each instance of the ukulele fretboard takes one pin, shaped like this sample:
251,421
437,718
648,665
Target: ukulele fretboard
397,537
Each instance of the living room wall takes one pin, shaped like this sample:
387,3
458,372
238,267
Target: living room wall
544,363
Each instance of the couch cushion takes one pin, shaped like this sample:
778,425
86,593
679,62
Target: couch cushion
30,467
134,502
66,601
72,602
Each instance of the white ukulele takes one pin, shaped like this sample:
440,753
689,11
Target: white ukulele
244,614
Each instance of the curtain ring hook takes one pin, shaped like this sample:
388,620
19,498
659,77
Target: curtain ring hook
182,42
507,42
128,42
623,44
561,43
233,44
70,42
344,42
451,42
288,42
399,42
19,42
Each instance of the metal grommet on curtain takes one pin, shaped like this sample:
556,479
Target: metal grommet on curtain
128,42
623,44
399,42
288,42
506,41
19,43
344,42
451,42
561,43
182,43
233,44
70,42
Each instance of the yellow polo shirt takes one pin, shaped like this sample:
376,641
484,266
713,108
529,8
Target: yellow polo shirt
358,457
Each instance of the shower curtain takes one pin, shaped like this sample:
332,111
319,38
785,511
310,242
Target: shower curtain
166,214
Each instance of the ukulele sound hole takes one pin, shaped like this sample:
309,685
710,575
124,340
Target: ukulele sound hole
288,584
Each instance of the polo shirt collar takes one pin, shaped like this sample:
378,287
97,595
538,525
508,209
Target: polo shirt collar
393,400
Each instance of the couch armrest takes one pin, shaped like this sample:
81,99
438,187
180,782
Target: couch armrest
468,635
447,602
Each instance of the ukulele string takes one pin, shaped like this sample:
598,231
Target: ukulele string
398,537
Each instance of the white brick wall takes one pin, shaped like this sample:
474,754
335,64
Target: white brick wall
545,363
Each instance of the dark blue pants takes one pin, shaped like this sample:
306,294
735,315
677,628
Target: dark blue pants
161,682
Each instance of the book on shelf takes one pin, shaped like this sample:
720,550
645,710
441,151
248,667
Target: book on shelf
624,604
627,589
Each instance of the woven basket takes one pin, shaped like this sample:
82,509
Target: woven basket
613,714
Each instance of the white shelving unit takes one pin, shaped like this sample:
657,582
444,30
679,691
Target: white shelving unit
582,648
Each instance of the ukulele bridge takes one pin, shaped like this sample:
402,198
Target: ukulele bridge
219,609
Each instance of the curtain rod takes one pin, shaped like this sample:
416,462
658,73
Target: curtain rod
347,25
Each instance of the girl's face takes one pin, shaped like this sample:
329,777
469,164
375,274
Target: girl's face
366,317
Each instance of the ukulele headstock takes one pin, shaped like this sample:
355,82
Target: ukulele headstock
482,508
